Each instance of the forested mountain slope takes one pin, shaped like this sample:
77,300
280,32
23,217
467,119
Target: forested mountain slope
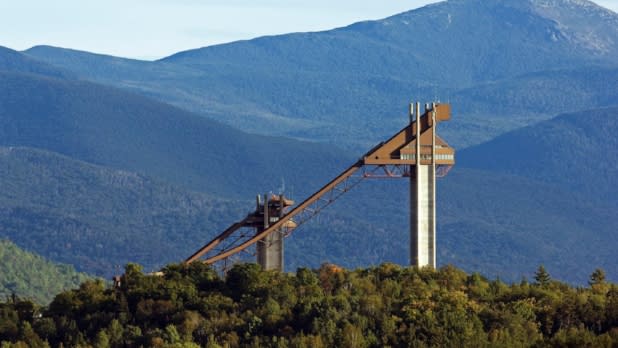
111,127
30,276
577,151
98,219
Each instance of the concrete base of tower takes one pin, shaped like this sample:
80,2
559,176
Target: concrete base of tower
270,252
423,216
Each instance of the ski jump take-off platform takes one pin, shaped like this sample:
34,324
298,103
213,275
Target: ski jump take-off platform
415,152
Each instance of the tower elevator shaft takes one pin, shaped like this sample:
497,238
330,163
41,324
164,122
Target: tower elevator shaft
423,194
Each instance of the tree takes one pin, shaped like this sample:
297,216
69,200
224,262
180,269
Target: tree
541,276
597,277
352,336
115,331
28,335
102,340
244,279
171,334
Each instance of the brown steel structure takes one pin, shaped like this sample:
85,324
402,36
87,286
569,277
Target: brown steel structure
394,158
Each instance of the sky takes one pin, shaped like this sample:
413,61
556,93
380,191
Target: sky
152,29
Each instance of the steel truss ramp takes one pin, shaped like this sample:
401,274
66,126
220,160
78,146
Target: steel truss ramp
240,236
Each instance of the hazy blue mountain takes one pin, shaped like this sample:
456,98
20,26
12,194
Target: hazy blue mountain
31,276
502,224
111,127
576,151
350,85
98,219
11,60
540,93
454,43
491,108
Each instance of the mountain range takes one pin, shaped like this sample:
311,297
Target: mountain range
349,86
108,160
110,127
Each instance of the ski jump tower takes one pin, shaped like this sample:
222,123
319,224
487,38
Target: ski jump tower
428,156
415,152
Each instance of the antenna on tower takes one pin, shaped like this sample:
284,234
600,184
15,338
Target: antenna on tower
282,187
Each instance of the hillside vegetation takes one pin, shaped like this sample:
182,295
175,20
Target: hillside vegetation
493,223
30,276
328,307
577,151
98,219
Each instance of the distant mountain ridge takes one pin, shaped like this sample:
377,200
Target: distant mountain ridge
349,86
14,61
540,35
111,127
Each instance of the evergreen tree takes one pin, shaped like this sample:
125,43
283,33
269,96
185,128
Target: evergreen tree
541,276
597,277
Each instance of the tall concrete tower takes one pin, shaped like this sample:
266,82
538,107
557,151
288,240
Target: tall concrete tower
432,157
423,197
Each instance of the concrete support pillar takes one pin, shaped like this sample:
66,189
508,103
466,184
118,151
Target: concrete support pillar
423,205
270,252
269,249
422,217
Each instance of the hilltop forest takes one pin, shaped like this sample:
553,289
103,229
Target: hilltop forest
384,306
